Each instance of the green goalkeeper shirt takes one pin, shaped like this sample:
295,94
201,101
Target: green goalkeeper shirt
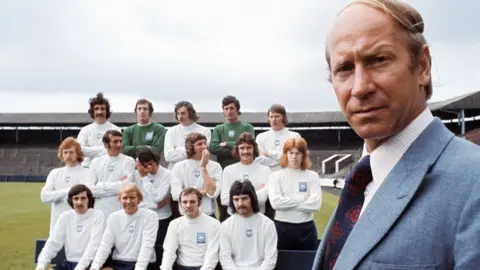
136,136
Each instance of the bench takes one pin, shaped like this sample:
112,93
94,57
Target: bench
287,259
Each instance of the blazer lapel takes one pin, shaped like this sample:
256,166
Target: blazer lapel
394,194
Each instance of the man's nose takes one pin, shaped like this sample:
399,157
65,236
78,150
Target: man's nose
362,82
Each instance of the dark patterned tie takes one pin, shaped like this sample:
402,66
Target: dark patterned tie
348,210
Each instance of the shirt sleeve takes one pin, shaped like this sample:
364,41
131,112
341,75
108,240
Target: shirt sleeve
94,241
278,201
313,203
49,194
157,193
170,246
211,255
171,153
177,182
217,177
149,236
89,151
262,193
225,254
106,243
54,243
270,248
158,139
226,185
215,147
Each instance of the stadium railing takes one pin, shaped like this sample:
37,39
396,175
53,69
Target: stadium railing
287,259
23,178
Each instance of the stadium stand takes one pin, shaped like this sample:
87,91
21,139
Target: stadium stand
28,141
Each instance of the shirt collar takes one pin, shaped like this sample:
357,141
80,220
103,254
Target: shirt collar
387,155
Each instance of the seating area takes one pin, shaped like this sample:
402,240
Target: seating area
286,260
28,160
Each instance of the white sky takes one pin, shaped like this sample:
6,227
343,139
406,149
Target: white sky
56,54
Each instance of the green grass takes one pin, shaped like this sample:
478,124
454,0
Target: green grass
24,218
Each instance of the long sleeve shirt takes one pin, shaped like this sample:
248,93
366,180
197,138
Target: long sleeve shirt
80,234
55,191
154,189
248,243
228,133
137,136
295,194
90,139
257,174
133,237
271,142
105,180
196,241
174,150
187,173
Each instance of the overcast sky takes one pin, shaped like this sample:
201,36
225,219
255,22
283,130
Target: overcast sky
54,55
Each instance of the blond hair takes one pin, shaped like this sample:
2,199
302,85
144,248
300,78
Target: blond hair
411,24
131,188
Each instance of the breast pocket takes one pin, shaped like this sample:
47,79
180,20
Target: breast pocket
381,266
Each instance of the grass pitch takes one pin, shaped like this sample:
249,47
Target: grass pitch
24,218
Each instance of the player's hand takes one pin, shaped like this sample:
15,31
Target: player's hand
265,154
141,169
223,144
164,202
205,158
123,177
202,191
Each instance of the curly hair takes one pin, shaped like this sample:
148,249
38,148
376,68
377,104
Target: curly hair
99,99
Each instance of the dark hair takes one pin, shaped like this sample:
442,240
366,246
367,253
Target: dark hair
192,113
77,189
99,100
229,100
144,101
145,154
244,188
246,137
189,191
113,132
191,139
278,108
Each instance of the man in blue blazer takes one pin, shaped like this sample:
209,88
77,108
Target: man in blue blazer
413,201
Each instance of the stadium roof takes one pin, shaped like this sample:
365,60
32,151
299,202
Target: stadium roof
446,109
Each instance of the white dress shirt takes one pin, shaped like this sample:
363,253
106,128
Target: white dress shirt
386,156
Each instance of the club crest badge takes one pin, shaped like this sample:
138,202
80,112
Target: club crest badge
111,167
246,177
249,233
149,136
68,178
231,133
131,228
196,173
99,136
201,238
277,142
79,228
302,186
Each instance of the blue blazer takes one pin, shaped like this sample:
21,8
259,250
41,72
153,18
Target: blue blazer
426,215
